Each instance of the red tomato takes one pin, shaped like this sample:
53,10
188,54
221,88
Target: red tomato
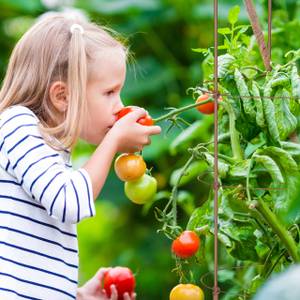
186,245
122,278
207,108
186,292
147,120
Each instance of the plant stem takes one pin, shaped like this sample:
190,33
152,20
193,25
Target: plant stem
278,228
225,157
248,179
234,135
180,110
173,198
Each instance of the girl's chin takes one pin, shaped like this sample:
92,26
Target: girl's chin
94,140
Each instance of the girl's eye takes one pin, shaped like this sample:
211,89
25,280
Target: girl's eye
109,93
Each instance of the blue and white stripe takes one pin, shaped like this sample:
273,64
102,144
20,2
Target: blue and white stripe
41,200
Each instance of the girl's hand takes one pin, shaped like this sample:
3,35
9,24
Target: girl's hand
131,136
93,289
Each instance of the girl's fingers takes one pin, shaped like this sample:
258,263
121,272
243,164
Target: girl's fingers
101,272
114,292
153,130
127,297
136,114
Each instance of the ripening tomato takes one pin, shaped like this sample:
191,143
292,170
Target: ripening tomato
142,190
130,167
207,108
186,292
146,121
122,278
124,111
186,245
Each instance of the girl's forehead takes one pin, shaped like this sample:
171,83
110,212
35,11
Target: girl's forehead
109,55
110,62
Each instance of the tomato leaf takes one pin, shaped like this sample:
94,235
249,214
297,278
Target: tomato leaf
195,169
233,14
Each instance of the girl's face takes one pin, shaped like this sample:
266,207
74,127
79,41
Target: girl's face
107,76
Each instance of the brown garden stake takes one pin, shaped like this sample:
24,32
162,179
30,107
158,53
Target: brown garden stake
216,183
265,51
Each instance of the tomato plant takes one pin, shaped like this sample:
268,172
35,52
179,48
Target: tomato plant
186,245
122,278
258,163
142,190
146,121
129,167
186,292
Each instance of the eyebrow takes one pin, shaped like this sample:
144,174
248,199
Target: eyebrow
114,87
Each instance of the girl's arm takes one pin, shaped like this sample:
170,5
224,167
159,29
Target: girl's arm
40,172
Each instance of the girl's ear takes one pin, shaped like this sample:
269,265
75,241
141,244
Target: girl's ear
58,96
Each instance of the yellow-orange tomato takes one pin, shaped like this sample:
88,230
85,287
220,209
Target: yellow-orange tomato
186,292
130,167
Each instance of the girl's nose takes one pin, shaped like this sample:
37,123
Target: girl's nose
118,106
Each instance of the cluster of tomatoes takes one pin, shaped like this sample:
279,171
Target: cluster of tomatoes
185,246
140,188
131,168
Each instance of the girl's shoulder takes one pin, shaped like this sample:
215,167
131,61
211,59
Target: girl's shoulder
17,111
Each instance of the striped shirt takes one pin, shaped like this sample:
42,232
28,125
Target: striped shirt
41,200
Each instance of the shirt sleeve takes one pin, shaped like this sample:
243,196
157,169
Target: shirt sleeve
65,193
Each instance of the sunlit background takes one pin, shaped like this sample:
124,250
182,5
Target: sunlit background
161,35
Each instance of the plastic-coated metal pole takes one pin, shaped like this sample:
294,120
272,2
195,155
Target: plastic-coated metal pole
216,183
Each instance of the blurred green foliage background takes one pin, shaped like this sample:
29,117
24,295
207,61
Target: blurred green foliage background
161,35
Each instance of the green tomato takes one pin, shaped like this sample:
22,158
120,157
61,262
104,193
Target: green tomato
141,190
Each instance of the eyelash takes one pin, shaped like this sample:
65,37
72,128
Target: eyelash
109,93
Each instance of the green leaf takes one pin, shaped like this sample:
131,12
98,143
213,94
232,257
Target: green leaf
292,148
195,169
197,131
186,201
289,170
200,50
242,237
283,158
271,167
239,169
200,217
285,120
233,14
223,167
225,30
234,201
226,275
224,63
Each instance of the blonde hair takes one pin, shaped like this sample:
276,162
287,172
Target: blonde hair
48,52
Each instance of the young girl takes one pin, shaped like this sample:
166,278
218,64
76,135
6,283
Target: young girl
63,82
